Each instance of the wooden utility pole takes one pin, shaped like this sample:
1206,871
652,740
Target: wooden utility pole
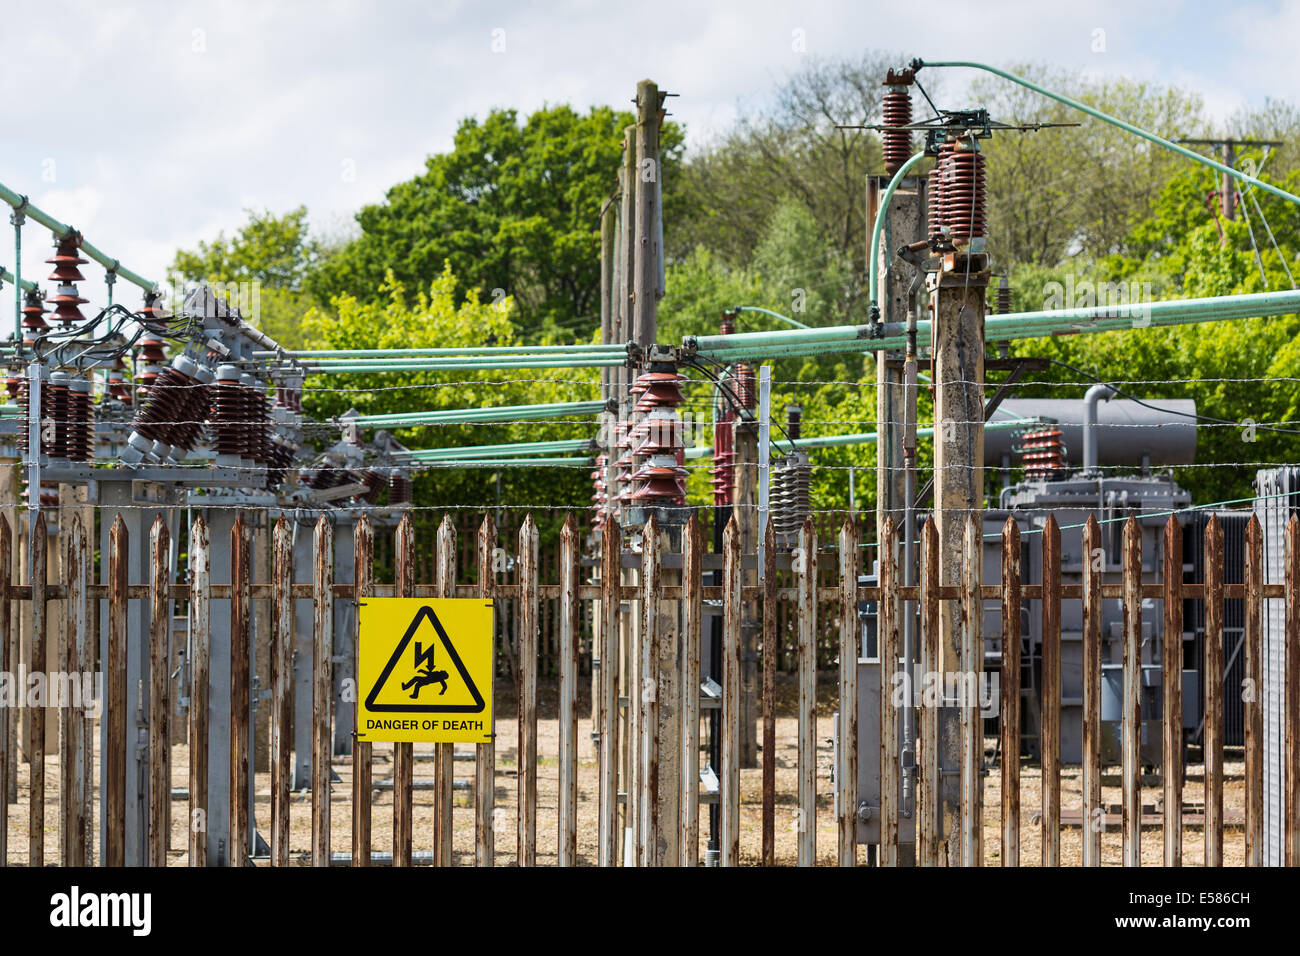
904,223
645,290
957,298
1228,156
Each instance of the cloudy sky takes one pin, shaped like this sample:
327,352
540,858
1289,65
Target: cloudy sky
150,126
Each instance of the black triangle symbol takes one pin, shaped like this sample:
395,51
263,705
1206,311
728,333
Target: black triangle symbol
414,708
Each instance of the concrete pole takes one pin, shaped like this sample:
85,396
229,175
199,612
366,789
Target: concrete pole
645,290
957,297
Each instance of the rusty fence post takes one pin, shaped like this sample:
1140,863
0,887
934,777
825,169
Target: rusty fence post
610,577
362,758
76,773
1131,723
526,838
403,755
887,637
648,690
199,630
568,797
729,784
1172,674
692,631
769,694
1214,677
846,771
322,689
1253,723
36,742
160,765
1093,813
240,678
930,812
1050,742
282,636
113,771
806,574
1009,715
972,721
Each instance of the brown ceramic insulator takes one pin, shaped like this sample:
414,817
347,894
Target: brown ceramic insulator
54,409
225,408
153,308
935,208
168,405
81,424
745,386
1004,300
658,390
150,360
1043,453
66,299
964,196
896,144
658,484
34,324
24,408
375,483
399,489
12,385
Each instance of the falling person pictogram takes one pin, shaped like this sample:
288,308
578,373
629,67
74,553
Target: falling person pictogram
427,676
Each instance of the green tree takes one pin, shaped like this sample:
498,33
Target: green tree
275,252
514,208
444,315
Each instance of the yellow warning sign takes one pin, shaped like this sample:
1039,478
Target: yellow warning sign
425,670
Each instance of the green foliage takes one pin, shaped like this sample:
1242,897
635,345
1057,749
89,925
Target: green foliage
442,316
513,207
275,252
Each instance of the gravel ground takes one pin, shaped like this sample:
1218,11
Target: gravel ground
751,797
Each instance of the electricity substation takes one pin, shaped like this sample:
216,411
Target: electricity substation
1034,590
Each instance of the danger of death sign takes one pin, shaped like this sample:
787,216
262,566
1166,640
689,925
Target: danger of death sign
425,670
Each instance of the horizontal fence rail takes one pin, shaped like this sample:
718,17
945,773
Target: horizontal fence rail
660,763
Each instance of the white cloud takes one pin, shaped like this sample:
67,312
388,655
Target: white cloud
165,121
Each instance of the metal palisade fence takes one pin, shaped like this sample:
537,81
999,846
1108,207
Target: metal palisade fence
642,603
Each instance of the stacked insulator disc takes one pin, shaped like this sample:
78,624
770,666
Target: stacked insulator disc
375,482
81,420
791,496
936,209
54,410
599,498
722,474
153,309
1043,453
34,324
226,415
1004,298
399,488
964,194
896,144
13,384
657,441
66,299
281,458
118,390
257,421
169,420
151,359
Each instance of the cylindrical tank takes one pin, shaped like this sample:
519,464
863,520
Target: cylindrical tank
1126,431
